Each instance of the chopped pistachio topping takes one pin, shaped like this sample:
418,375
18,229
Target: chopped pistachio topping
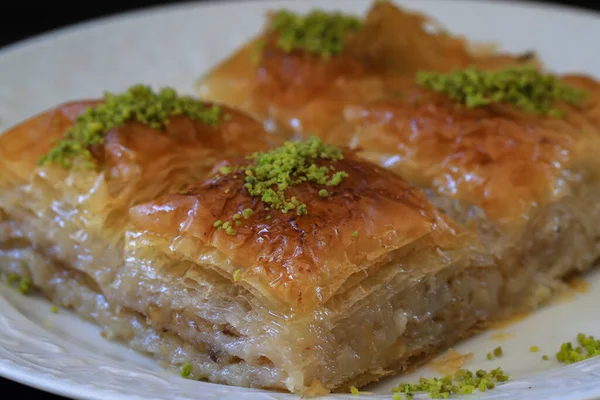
545,357
54,309
355,234
317,32
13,278
463,382
534,349
354,390
235,220
186,370
523,87
301,210
25,285
237,275
138,103
272,172
498,351
587,347
227,226
225,170
490,356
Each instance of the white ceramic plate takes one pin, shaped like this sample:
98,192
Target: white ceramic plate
172,46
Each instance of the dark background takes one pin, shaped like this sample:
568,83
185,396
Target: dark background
23,19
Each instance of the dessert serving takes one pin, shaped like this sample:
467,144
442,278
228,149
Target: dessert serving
299,58
347,198
306,269
521,171
68,177
263,274
499,145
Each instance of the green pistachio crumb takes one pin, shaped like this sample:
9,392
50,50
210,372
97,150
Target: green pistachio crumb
238,223
354,390
318,32
186,370
217,223
498,351
355,234
268,217
337,178
225,170
586,347
489,356
545,357
25,285
247,213
139,103
293,163
301,210
236,217
230,231
237,275
323,193
463,382
523,87
534,349
13,278
54,309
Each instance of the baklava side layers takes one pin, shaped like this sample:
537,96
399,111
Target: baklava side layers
359,279
69,176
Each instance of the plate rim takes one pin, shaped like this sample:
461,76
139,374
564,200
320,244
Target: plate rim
55,33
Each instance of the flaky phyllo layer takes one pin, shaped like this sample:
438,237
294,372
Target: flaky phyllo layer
499,146
300,58
266,272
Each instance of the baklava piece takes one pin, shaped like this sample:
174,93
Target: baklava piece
304,268
512,154
299,58
69,176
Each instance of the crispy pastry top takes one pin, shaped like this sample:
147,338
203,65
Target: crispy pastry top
503,160
394,43
298,261
134,157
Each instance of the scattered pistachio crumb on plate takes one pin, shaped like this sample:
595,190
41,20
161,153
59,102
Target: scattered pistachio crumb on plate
587,347
186,370
462,382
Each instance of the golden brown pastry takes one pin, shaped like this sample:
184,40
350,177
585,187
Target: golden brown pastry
64,205
526,182
523,179
299,58
309,265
